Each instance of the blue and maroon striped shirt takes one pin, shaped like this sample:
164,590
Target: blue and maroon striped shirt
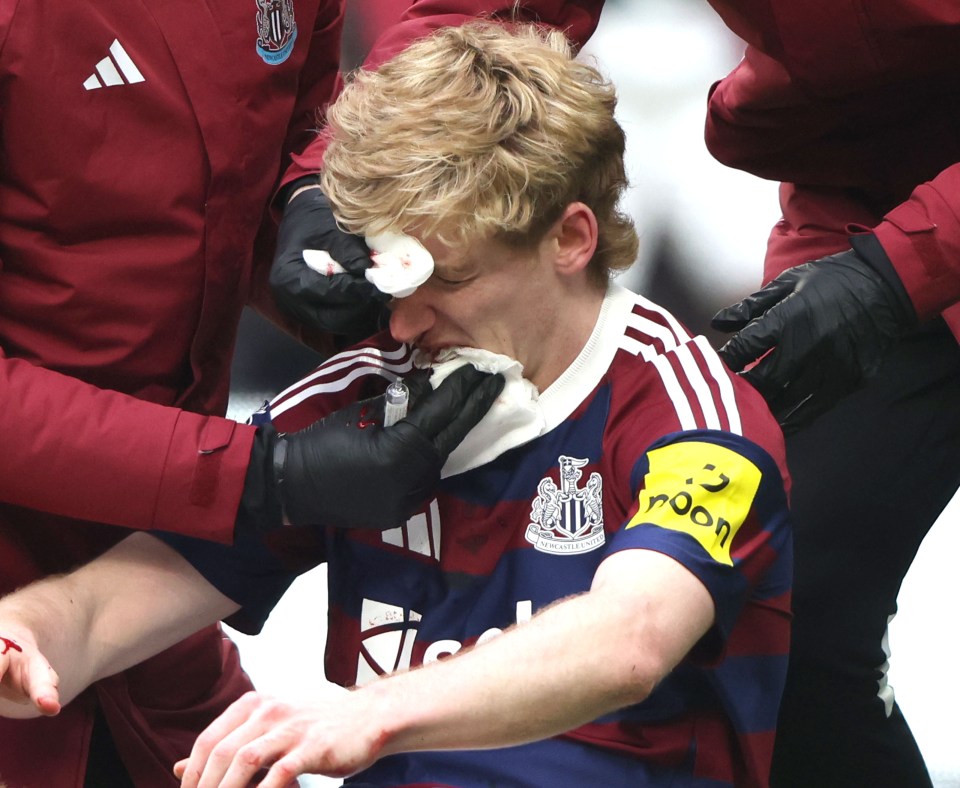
650,444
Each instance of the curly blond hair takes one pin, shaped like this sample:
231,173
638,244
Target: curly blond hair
480,132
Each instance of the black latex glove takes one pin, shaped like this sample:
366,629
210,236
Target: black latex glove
344,304
347,470
827,325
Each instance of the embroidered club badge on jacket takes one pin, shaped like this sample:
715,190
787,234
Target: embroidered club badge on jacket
276,30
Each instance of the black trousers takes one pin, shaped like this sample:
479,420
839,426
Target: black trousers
105,769
869,479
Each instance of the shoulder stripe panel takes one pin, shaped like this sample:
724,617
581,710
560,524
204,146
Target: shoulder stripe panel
719,372
697,375
299,393
681,334
365,355
672,384
649,328
700,387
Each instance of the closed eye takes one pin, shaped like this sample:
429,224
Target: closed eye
450,281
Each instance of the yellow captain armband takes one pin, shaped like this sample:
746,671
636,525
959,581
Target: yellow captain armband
700,489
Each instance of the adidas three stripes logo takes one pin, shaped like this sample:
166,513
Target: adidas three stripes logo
117,68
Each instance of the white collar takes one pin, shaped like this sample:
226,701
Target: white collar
521,413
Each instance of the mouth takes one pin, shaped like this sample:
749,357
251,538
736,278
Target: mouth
427,352
431,354
432,347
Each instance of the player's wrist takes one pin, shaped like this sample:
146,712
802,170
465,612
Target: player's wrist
400,714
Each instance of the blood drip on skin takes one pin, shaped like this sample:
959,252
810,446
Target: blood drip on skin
9,644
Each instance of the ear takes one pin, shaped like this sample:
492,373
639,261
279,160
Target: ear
575,235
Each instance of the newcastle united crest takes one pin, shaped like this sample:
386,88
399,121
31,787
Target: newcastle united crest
568,519
276,30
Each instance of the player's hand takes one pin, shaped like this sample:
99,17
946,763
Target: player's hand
817,332
336,736
344,303
348,470
28,684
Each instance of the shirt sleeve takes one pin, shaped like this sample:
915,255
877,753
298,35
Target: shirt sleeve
256,571
714,502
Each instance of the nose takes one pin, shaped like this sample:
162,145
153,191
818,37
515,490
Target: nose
410,317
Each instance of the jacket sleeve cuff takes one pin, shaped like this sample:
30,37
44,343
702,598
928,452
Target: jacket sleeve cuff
203,477
921,238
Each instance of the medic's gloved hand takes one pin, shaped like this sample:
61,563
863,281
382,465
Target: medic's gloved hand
827,325
345,304
347,470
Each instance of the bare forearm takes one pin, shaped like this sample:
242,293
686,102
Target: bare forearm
47,614
146,600
532,682
583,657
131,603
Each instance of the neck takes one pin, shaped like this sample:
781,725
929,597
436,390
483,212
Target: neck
566,333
